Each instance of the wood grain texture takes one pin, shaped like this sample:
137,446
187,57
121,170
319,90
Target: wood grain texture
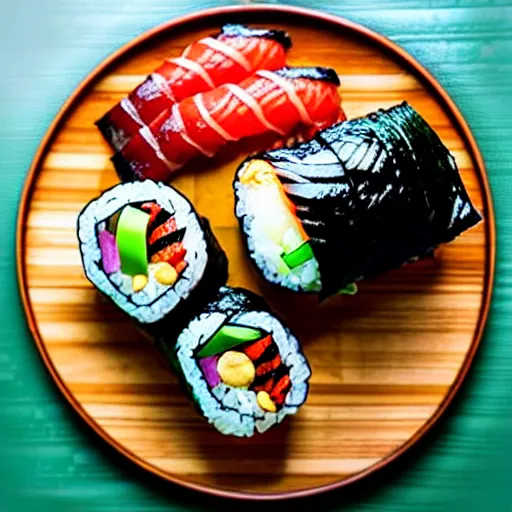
383,361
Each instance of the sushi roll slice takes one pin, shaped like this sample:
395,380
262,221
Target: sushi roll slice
240,365
145,248
362,197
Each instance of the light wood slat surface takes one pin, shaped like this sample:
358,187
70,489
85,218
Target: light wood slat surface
383,361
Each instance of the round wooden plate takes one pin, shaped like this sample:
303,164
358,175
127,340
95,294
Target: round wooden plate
386,362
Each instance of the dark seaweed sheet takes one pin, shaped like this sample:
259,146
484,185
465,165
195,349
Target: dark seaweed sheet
232,301
237,30
312,73
374,193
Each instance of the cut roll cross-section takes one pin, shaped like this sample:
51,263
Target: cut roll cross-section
277,241
231,55
280,103
241,366
145,248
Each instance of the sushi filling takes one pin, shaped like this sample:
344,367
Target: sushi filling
142,248
145,261
249,359
275,235
246,371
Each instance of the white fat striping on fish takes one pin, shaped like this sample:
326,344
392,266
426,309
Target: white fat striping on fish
176,116
228,51
235,411
290,93
148,136
210,121
368,162
254,106
130,109
357,156
114,200
195,67
163,86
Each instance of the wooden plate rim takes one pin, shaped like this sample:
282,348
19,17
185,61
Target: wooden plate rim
316,16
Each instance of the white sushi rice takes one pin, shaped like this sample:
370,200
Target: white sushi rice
155,300
235,411
264,251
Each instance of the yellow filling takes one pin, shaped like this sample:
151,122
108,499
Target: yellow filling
236,369
258,172
164,272
265,402
139,281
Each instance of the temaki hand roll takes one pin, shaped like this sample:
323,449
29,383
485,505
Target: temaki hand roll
363,197
145,247
241,366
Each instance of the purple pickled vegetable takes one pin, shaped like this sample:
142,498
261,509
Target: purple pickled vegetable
209,367
109,252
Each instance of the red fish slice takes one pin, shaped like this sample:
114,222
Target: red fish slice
173,254
169,226
256,349
266,102
280,390
153,209
231,55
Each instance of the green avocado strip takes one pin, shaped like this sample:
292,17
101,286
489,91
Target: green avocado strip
227,337
131,241
299,256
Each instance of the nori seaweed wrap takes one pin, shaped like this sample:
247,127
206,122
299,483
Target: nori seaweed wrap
145,248
363,197
240,365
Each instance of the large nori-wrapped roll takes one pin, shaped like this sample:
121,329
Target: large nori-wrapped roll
144,247
240,365
363,197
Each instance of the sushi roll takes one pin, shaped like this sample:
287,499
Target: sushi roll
147,250
362,197
240,365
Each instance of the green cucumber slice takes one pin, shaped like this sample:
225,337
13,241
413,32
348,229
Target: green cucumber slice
131,241
227,337
299,256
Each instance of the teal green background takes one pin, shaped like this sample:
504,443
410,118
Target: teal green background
48,458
